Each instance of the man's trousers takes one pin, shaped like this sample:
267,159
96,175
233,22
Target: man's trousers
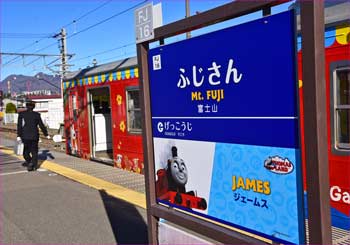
30,152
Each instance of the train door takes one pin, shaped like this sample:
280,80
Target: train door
101,129
84,138
72,129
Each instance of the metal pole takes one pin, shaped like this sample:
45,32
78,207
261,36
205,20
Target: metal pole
142,51
317,179
267,11
188,34
9,87
63,57
64,51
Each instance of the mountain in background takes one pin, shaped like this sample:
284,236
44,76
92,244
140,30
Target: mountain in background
41,81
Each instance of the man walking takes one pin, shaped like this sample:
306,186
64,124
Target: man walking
27,131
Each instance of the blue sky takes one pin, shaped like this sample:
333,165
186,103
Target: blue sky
107,42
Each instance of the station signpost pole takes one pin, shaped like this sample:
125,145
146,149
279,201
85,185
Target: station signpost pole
315,117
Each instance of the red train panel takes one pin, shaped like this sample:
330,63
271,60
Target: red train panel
337,57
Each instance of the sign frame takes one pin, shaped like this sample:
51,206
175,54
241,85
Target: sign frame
320,225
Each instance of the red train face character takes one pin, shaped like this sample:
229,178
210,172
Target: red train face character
178,171
171,182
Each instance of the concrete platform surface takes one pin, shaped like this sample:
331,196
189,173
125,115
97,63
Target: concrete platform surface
122,184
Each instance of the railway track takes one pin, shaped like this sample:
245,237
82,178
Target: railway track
10,132
6,129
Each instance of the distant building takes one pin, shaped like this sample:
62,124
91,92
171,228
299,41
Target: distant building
51,109
38,92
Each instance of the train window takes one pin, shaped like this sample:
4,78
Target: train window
74,101
342,108
101,104
134,110
75,109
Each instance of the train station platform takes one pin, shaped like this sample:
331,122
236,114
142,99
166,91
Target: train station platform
122,184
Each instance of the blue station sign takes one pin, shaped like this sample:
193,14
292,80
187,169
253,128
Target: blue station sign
226,130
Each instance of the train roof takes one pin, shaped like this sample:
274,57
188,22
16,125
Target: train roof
336,12
104,68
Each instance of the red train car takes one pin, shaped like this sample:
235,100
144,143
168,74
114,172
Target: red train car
337,73
103,116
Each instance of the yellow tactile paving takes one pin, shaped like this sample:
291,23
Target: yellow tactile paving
114,190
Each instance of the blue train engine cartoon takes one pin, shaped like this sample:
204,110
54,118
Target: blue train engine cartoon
171,184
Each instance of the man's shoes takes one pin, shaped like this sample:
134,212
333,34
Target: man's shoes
32,168
25,164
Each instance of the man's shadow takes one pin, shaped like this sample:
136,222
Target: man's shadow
43,156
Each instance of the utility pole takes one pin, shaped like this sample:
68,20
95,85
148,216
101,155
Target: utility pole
63,50
188,34
28,86
9,87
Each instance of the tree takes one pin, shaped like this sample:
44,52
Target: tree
10,108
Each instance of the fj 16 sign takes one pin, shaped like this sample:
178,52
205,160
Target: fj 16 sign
225,127
144,23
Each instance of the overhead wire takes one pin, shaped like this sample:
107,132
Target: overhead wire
96,24
107,19
74,21
113,57
25,35
52,62
132,52
103,52
19,50
86,29
103,21
33,61
86,14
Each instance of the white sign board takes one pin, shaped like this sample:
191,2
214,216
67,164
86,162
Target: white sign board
144,23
